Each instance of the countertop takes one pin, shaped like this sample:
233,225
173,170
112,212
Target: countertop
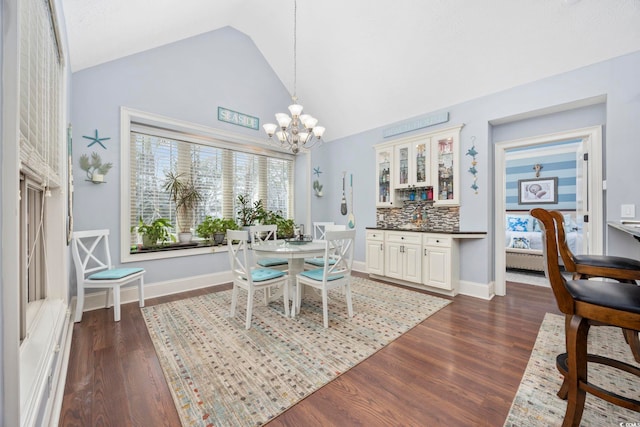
432,231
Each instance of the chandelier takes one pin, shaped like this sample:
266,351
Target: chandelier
298,130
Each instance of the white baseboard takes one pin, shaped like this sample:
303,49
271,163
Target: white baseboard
95,300
477,290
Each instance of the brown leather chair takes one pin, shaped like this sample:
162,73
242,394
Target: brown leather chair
622,269
585,303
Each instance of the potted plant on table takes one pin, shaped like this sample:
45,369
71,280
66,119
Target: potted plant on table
215,229
185,197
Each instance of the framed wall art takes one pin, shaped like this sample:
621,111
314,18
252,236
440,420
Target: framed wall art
538,191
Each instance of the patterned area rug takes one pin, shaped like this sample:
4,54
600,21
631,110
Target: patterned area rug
536,403
221,374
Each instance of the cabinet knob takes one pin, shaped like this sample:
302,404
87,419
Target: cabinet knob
437,241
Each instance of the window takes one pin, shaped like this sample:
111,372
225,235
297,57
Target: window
41,72
220,170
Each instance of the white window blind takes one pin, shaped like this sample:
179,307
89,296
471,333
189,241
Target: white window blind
40,92
218,171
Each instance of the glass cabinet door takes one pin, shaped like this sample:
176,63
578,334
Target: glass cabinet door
384,158
422,158
402,174
445,152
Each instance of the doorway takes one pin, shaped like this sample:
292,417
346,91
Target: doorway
588,189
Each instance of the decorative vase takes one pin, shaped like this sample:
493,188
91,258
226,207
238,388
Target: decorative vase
185,237
218,238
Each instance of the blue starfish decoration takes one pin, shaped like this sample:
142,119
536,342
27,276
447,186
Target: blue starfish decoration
316,171
97,140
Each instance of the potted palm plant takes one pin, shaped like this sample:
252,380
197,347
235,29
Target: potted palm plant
185,197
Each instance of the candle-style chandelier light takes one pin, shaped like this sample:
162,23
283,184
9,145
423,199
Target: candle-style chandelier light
298,130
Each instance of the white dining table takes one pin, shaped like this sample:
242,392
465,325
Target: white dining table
295,253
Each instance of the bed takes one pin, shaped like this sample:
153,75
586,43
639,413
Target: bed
523,239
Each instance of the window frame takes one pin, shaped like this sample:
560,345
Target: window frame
134,120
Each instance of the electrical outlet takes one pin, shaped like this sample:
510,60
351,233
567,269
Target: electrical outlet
381,217
628,211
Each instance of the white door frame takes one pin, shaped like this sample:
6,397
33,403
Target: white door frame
593,142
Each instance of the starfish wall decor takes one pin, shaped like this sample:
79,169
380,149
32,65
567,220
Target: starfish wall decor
96,140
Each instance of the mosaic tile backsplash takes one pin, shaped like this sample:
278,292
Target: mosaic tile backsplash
421,214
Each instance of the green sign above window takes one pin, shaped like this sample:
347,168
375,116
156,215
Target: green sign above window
238,119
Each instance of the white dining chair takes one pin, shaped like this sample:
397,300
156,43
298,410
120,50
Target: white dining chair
250,278
317,262
94,270
335,274
319,229
260,234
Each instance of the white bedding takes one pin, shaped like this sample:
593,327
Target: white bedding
574,240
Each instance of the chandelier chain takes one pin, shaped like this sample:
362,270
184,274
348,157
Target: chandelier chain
298,131
295,48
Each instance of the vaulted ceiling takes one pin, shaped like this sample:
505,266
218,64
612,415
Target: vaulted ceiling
367,63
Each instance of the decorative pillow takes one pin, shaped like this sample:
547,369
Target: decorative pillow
536,226
569,223
520,243
518,222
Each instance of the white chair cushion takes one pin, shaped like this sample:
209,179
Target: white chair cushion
115,274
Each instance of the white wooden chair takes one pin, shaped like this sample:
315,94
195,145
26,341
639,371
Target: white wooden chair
94,270
251,278
336,274
264,234
319,229
318,261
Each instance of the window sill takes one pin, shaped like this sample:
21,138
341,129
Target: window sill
173,250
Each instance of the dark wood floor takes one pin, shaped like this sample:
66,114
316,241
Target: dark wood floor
460,367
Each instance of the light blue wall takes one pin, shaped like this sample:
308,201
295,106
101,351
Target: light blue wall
616,79
189,79
186,80
561,166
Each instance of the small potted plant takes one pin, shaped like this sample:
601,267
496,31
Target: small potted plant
157,230
249,214
285,226
94,167
185,197
215,229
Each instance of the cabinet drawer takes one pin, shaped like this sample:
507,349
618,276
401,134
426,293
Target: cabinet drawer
375,235
408,238
436,240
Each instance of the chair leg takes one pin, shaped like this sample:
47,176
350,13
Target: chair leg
347,292
285,291
631,337
234,301
577,370
249,308
297,299
79,303
325,307
116,303
141,292
106,298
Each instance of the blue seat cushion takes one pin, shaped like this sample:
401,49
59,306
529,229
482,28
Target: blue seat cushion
318,261
271,262
262,274
317,275
115,273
